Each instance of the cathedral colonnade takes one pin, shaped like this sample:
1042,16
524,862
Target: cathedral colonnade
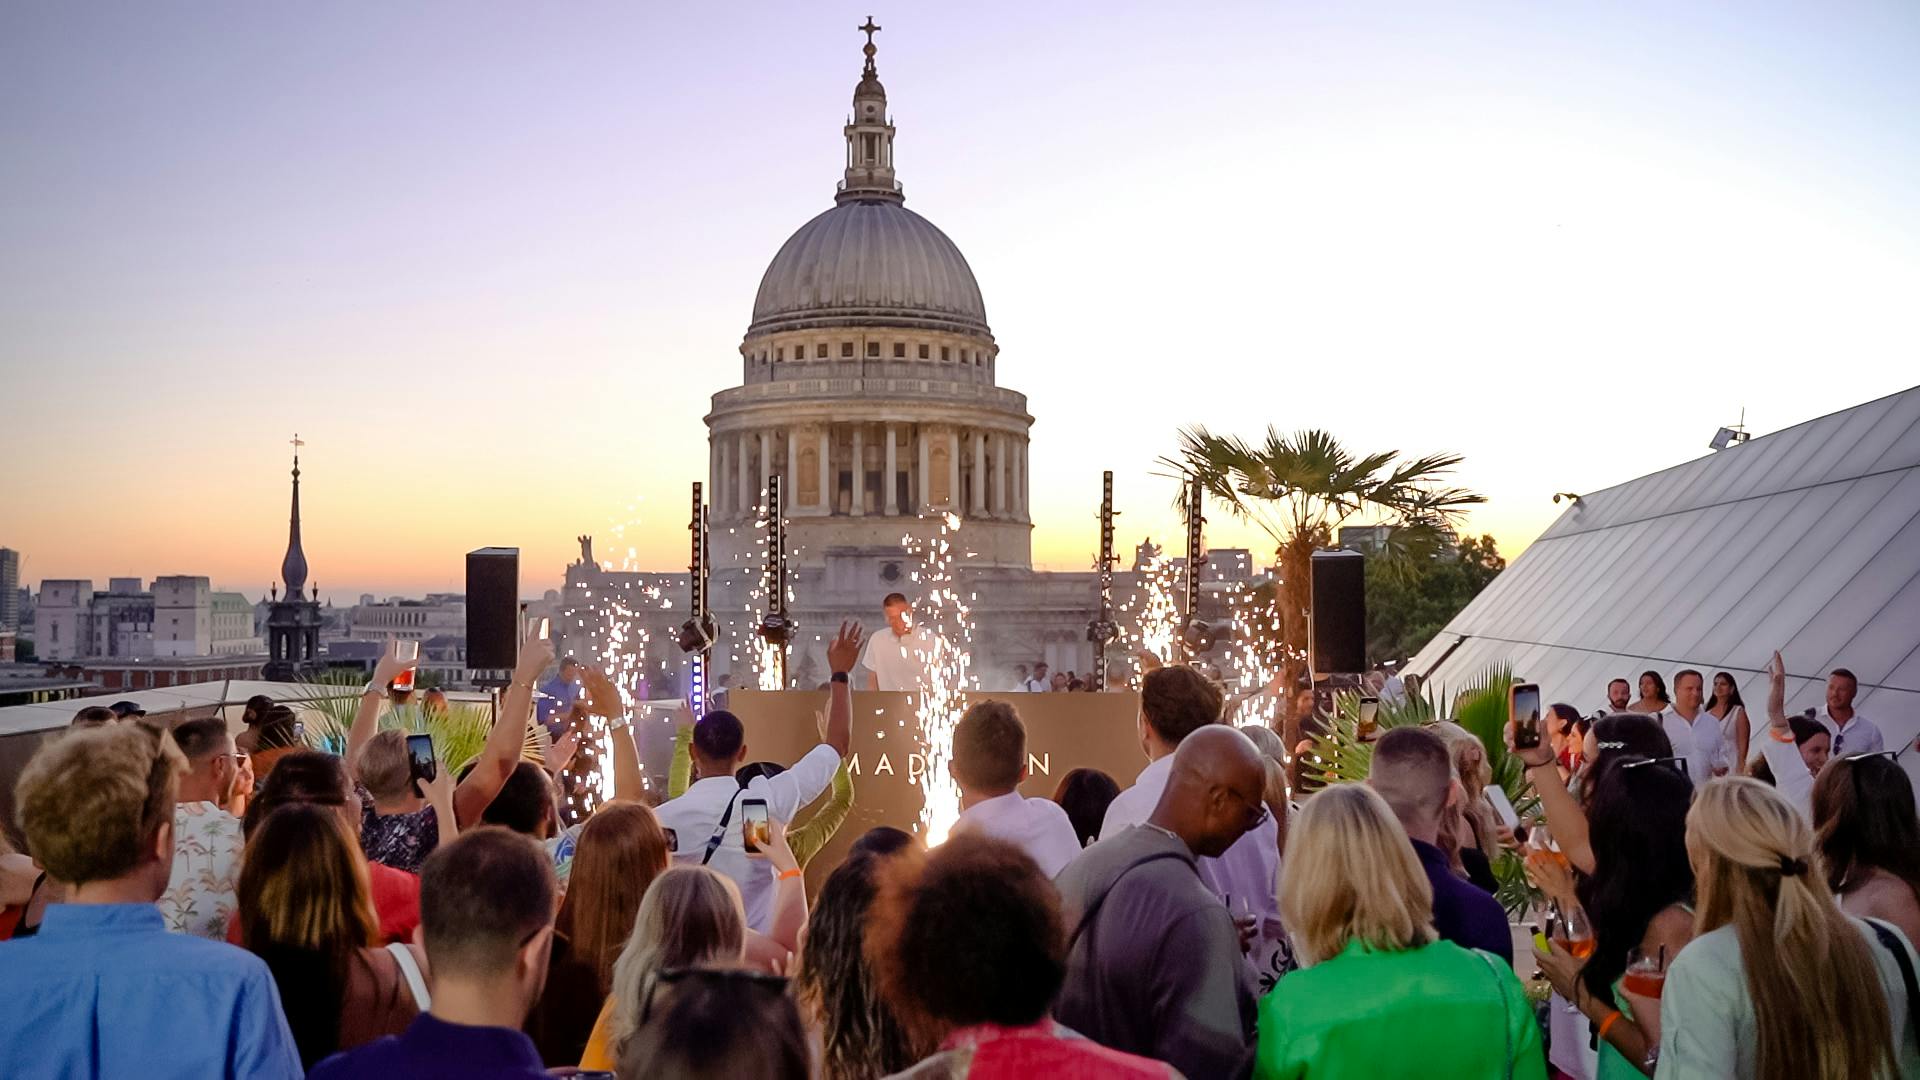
873,468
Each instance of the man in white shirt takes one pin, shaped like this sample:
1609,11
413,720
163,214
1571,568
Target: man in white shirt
1852,733
707,820
1693,731
206,838
1176,701
989,761
902,657
1040,683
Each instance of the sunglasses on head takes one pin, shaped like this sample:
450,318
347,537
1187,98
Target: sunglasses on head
1890,755
775,983
1679,763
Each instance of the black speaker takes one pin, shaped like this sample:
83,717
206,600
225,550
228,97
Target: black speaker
1338,641
493,608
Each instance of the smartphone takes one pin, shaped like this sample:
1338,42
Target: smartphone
1524,711
1502,807
299,732
673,840
544,630
1369,717
756,828
421,763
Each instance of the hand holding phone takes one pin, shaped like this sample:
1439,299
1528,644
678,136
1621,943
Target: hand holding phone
1524,712
421,762
755,824
1369,718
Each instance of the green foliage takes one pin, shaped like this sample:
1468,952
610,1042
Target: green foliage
1339,756
459,734
1409,600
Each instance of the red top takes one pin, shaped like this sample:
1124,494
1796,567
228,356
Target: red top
396,903
992,1052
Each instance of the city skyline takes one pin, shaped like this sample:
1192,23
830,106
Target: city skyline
492,268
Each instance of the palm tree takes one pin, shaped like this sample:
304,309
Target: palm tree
1300,488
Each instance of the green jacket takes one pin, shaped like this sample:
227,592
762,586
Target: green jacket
1436,1012
805,840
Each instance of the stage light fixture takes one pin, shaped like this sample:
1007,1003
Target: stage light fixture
697,634
777,629
1201,635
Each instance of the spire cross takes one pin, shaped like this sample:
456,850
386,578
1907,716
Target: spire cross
870,29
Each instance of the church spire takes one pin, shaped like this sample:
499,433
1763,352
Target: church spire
293,568
869,176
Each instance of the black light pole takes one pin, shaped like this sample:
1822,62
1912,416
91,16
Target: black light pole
777,627
696,634
1103,629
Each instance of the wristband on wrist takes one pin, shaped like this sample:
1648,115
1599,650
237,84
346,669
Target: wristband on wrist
840,677
1605,1025
785,874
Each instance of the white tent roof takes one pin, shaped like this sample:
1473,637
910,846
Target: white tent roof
1806,540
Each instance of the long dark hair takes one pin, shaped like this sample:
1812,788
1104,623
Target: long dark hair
1733,695
1618,737
304,908
1085,795
1638,828
860,1037
1659,686
1864,820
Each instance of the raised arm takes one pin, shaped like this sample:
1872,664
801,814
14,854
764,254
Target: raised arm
509,734
1777,692
1565,820
842,653
680,768
603,699
808,839
366,718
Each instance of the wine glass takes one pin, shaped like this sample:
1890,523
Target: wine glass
1646,973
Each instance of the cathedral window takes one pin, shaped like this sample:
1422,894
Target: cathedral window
846,349
821,352
780,354
923,352
899,350
873,348
946,353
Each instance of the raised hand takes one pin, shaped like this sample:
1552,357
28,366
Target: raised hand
844,651
603,698
389,667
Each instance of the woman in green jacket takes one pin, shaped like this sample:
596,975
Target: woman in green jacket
1378,993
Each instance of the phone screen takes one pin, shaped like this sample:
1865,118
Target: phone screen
545,629
1502,806
755,827
1526,716
420,761
1369,716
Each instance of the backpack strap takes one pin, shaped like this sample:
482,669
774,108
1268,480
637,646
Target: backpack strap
720,831
1891,940
1093,906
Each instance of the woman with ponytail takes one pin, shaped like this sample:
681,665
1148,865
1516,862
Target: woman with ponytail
1779,984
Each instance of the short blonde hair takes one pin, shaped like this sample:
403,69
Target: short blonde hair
383,766
92,799
1351,874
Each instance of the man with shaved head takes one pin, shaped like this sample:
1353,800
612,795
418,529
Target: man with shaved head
1154,965
1413,772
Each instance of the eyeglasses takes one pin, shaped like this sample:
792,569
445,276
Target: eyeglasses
1679,763
774,983
1259,807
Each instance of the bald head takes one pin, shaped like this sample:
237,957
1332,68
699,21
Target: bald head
1413,771
1214,790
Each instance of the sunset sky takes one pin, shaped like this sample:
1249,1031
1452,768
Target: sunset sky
490,260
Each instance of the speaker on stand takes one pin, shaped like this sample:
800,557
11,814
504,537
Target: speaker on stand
1337,635
493,614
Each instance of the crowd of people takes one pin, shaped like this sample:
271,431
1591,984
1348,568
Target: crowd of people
191,903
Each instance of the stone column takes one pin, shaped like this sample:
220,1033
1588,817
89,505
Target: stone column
716,449
1026,509
766,459
953,469
1000,474
926,474
859,470
826,446
793,467
890,483
979,474
744,497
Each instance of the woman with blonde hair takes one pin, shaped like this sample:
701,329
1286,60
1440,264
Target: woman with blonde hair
1778,984
1360,909
690,917
304,908
1469,833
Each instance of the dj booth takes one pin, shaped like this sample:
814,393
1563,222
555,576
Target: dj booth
1065,731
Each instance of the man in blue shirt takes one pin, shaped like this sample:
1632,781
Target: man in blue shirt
486,919
557,696
103,990
1414,773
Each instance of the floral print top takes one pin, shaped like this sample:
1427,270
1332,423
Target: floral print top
206,863
402,841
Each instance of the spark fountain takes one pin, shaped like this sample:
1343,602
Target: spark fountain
625,644
950,615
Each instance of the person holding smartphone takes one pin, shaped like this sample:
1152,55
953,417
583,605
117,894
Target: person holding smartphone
709,818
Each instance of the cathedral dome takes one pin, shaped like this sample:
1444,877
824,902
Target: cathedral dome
871,262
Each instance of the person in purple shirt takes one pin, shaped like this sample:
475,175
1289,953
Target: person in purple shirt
1413,771
486,920
104,990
